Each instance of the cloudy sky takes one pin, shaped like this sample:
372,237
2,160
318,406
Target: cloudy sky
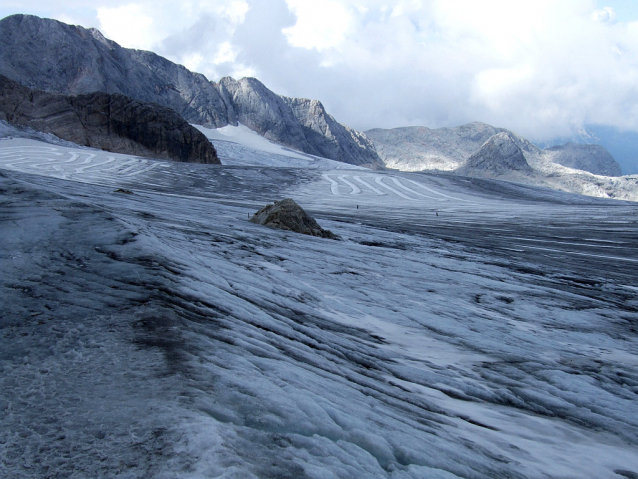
543,68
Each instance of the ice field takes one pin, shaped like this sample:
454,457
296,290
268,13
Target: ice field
459,328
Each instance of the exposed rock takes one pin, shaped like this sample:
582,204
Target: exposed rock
417,148
56,57
288,215
108,122
499,156
330,138
261,110
52,56
593,158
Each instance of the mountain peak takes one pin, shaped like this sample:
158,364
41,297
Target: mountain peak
593,158
500,155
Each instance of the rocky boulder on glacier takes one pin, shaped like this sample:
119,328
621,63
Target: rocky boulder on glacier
288,215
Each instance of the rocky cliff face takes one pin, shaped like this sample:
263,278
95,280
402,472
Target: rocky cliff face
330,138
261,110
55,57
593,158
500,156
109,122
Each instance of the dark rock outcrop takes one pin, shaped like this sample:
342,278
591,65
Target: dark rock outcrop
500,156
108,122
56,57
593,158
288,215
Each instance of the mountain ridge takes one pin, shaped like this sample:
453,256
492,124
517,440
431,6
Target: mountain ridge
447,149
73,60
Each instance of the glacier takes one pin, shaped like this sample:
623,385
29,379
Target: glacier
461,328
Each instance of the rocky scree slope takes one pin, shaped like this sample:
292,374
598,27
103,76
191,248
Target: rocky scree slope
108,122
56,57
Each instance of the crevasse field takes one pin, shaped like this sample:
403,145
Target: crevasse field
459,328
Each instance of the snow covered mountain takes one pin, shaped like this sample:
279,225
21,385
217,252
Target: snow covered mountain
53,56
593,158
417,148
449,149
498,157
461,327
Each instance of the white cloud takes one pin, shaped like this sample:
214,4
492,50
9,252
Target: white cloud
321,24
604,15
128,25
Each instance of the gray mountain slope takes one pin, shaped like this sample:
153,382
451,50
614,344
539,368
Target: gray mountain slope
500,156
593,158
417,148
330,138
421,148
56,57
111,122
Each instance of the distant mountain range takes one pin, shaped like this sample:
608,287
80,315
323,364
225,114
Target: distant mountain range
55,57
622,145
419,148
480,150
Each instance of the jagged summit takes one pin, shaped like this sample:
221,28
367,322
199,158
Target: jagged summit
52,56
297,122
499,156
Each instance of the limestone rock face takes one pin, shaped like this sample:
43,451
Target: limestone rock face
499,156
71,60
296,122
56,57
593,158
416,148
330,138
263,111
108,122
288,215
